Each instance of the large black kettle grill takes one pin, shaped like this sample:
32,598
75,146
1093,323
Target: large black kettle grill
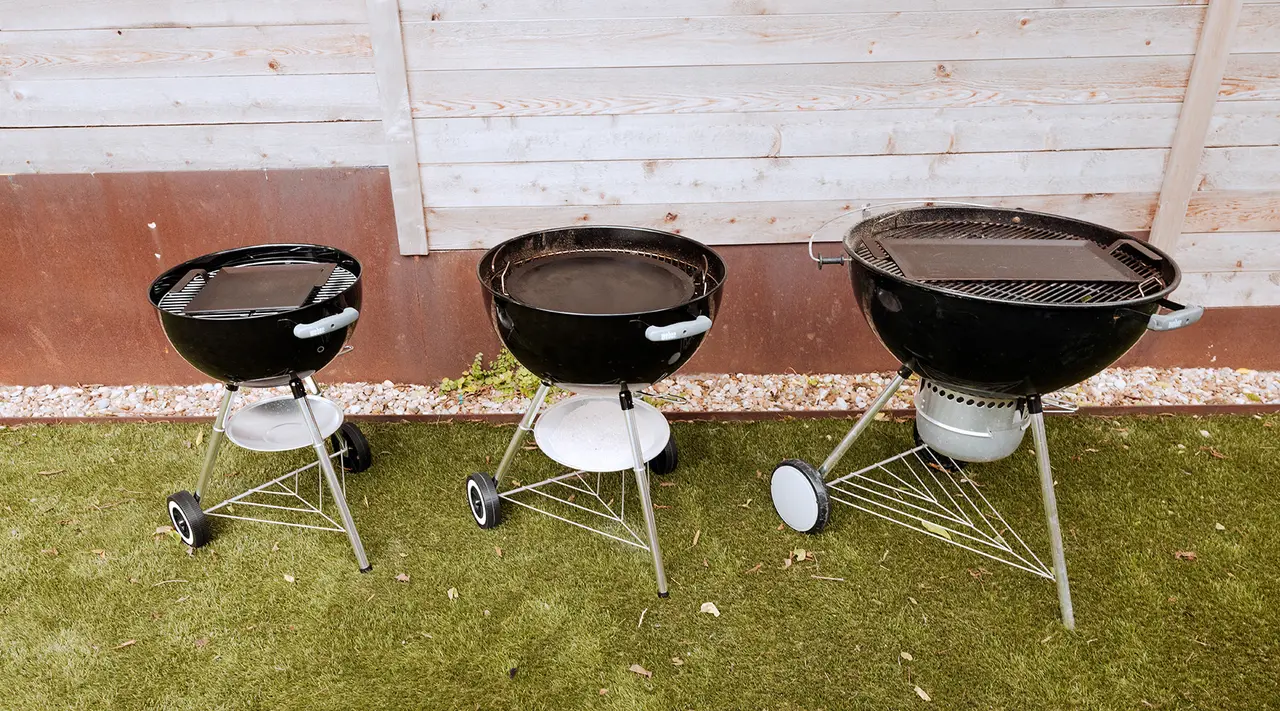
993,309
269,316
602,312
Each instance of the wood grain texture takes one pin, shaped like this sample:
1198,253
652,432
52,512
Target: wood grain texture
833,178
828,87
120,149
766,222
1210,65
186,52
123,102
1229,252
797,133
122,14
1229,288
825,38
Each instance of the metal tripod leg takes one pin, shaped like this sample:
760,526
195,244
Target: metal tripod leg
522,430
330,476
642,484
215,439
1051,513
863,422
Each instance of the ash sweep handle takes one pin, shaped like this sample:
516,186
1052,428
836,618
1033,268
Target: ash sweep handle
1177,317
327,324
676,331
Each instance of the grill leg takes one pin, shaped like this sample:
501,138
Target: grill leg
642,484
330,476
863,422
1051,513
215,439
522,430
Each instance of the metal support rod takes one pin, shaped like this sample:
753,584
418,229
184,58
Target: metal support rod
1051,512
311,385
526,424
863,422
330,476
642,484
215,439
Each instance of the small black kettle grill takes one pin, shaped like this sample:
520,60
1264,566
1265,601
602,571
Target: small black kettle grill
260,317
992,308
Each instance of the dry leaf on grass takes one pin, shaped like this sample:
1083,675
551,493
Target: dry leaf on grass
275,546
1184,555
755,568
452,593
747,505
199,437
935,528
666,483
696,535
641,671
50,472
100,553
402,578
289,578
677,662
604,691
922,694
710,608
127,643
1217,526
787,562
498,551
49,551
907,656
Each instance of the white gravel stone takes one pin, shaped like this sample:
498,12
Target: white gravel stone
701,393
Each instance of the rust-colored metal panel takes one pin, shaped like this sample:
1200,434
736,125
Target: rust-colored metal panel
81,251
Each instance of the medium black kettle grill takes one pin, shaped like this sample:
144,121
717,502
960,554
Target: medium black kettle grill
992,308
258,317
601,312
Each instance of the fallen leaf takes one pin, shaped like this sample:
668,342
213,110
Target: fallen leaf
1218,526
1184,555
696,535
49,551
935,528
127,643
755,568
50,472
782,526
202,642
922,694
1090,449
199,437
666,483
661,506
786,563
288,578
162,530
710,608
800,554
275,546
402,578
677,662
1214,453
913,600
101,553
907,656
641,671
452,593
498,551
1204,433
705,563
603,692
746,505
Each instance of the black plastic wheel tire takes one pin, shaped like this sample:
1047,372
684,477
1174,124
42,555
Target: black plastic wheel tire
667,460
359,456
482,498
942,460
189,519
799,496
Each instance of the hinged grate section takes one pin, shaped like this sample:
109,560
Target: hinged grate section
176,301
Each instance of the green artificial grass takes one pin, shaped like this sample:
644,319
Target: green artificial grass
559,618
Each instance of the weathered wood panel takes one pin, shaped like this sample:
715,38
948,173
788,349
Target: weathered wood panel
118,149
186,52
116,102
825,38
1229,252
121,14
828,87
833,178
1229,288
797,133
763,222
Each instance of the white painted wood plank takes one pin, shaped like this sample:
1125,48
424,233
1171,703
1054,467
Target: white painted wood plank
770,222
115,102
1207,71
121,14
397,123
826,38
1244,168
119,149
827,87
1229,252
827,133
186,52
773,179
450,10
1229,289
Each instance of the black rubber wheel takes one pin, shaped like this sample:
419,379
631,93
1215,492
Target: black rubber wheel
799,496
942,460
667,460
189,519
359,456
482,497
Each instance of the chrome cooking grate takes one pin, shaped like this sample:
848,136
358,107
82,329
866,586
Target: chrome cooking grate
175,302
1037,292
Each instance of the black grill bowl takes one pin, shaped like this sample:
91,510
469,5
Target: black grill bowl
259,351
998,346
599,349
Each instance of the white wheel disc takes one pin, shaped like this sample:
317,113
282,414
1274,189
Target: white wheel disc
476,498
175,515
794,498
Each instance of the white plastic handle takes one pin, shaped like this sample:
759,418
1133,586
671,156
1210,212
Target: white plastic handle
327,324
676,331
1177,318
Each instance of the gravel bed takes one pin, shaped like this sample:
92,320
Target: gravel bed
1115,387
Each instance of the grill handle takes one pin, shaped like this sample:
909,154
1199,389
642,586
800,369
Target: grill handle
1177,317
1137,245
327,324
676,331
843,259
